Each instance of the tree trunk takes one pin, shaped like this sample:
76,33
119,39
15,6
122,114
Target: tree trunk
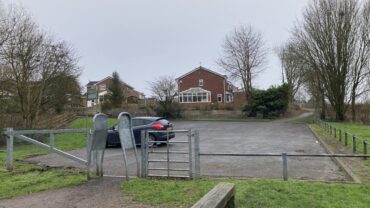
339,116
339,111
246,91
353,107
323,108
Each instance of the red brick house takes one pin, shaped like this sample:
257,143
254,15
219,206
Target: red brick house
202,86
98,90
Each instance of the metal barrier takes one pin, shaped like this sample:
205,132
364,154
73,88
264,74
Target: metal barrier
20,134
355,141
146,145
284,157
96,142
127,140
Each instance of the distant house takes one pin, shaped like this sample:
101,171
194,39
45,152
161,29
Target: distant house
97,92
202,85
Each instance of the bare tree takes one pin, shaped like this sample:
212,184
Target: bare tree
293,67
33,59
164,89
360,54
330,43
244,56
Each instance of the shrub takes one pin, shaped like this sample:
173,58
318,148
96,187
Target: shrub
167,110
271,103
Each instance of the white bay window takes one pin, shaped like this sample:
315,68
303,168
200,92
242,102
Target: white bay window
195,95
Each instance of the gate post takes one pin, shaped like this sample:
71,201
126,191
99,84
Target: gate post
354,144
9,149
146,153
88,152
365,149
142,147
197,154
285,166
190,155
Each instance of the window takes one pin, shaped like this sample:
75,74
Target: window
103,87
195,95
219,98
200,82
137,122
229,97
146,122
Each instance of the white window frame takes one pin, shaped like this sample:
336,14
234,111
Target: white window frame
195,95
218,98
229,97
103,87
201,83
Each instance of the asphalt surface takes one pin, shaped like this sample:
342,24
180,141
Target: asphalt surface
215,137
230,137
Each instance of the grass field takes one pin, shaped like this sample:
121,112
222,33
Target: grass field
29,178
360,130
251,193
68,142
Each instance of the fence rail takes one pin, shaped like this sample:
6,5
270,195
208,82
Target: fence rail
284,157
44,131
281,154
20,134
346,138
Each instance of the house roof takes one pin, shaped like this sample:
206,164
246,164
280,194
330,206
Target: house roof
199,68
108,77
92,83
124,83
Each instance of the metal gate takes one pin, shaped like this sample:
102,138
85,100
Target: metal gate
95,140
175,160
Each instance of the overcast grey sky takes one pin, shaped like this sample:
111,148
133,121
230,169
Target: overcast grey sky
146,39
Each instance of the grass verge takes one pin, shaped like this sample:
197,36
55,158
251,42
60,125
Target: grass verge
250,193
358,166
360,130
28,178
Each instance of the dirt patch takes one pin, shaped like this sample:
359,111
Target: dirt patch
103,192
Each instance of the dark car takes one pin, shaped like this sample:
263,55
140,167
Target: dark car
144,123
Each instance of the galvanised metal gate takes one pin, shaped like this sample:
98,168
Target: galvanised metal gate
153,158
